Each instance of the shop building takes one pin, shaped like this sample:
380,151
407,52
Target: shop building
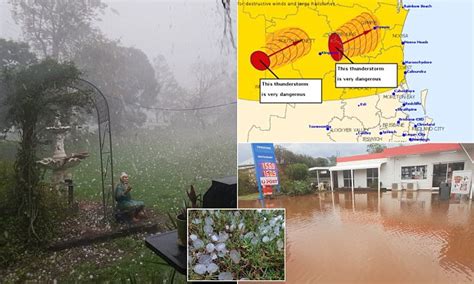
412,167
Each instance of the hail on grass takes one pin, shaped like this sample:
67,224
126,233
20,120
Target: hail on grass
213,229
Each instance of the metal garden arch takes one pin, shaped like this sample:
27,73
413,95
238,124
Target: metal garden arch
105,139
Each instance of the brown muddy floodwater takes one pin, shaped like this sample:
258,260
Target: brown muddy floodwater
403,237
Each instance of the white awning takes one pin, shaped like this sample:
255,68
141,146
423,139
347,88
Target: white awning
357,166
469,150
249,163
318,168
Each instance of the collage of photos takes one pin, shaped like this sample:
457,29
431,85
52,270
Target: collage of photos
236,141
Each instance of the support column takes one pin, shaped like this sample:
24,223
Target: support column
352,186
472,189
332,184
333,202
378,189
352,181
378,180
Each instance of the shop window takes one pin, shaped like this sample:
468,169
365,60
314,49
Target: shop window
372,177
414,172
347,178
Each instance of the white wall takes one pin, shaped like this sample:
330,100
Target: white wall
390,171
360,178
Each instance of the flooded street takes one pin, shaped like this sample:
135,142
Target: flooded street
409,237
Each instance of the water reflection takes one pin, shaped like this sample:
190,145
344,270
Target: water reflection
408,237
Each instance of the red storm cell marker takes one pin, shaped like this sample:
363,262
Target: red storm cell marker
260,60
336,47
282,47
356,37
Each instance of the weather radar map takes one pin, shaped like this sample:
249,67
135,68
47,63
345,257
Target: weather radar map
346,71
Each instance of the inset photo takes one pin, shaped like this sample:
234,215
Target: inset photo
246,244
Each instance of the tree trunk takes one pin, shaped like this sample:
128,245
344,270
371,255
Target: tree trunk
27,174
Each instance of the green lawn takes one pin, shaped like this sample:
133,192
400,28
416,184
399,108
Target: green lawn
160,169
253,196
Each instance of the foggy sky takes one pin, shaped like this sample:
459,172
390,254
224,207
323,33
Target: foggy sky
312,149
183,31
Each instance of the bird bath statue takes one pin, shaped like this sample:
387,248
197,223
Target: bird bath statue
60,162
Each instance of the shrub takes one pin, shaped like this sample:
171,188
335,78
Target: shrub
246,184
13,239
7,184
296,187
297,171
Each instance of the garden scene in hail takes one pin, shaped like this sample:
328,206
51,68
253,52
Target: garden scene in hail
116,117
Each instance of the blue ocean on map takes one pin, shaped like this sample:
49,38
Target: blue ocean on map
448,28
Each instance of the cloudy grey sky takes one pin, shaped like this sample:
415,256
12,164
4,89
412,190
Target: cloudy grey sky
312,149
184,31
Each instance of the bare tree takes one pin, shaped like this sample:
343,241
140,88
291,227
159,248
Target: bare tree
228,29
54,28
209,79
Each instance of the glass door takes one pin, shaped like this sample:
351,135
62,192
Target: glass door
444,172
334,180
454,167
439,174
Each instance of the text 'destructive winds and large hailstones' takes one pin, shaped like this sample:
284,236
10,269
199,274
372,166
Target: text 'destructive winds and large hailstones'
282,47
356,37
